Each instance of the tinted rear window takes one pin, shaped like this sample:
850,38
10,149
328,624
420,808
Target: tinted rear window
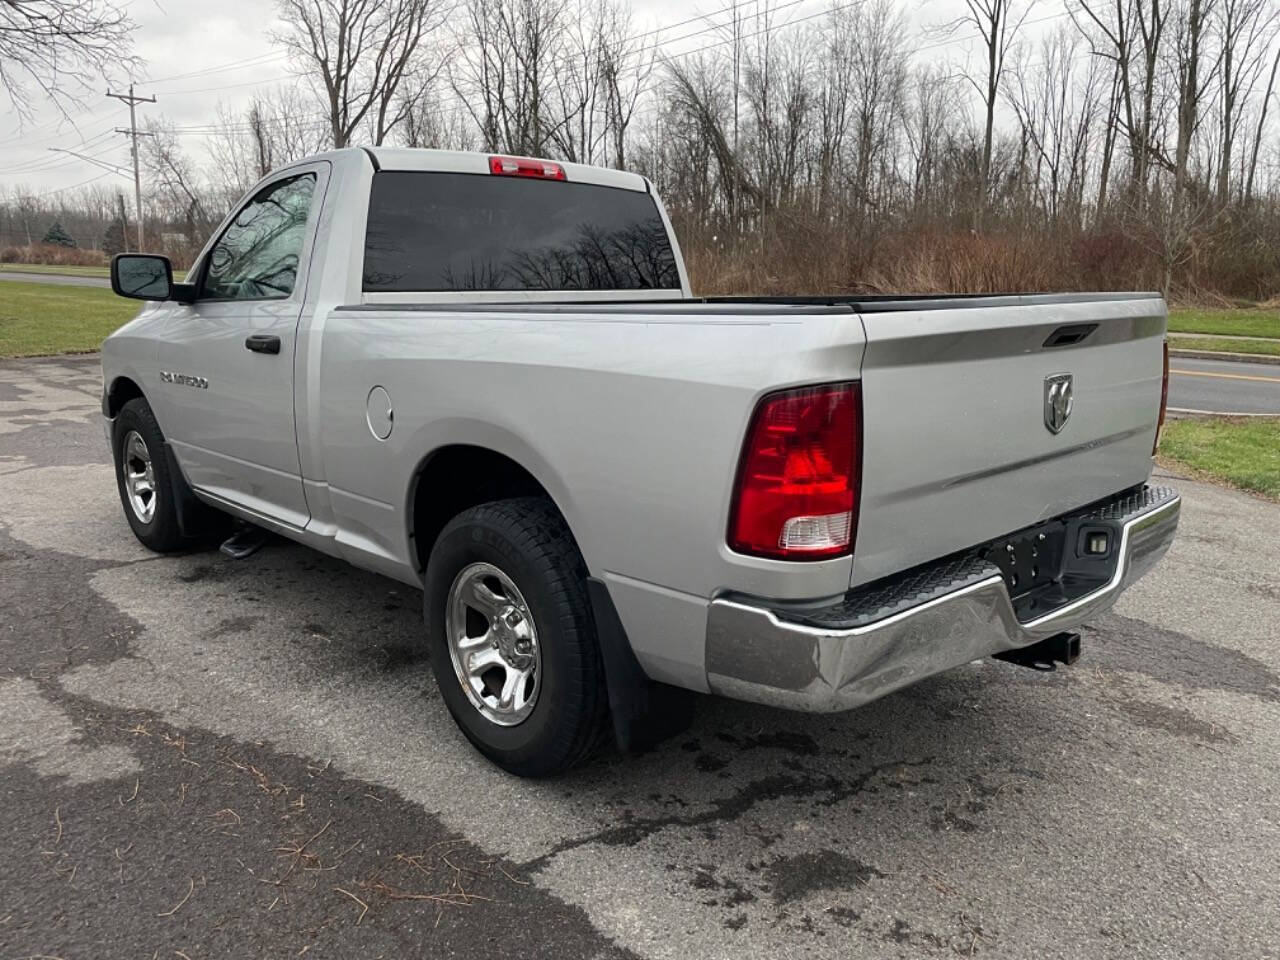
461,231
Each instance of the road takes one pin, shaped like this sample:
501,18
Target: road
1222,386
1203,385
58,279
249,759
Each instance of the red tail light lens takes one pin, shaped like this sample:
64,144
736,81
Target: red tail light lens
1164,400
797,488
526,167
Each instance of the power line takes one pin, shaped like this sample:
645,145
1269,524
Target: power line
111,167
39,141
43,163
661,39
258,61
232,86
638,53
82,183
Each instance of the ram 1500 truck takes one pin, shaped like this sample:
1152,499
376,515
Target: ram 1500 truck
486,376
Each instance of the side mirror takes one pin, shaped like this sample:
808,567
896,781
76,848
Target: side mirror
147,276
142,276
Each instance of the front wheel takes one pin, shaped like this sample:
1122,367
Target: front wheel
142,476
512,639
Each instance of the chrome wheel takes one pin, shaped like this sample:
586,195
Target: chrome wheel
139,476
493,644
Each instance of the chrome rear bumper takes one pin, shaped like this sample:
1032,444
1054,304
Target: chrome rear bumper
888,635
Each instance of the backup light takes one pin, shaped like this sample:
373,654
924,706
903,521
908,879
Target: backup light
796,496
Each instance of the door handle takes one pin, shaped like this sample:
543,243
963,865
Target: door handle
263,343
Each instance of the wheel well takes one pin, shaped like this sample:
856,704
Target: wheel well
122,391
455,478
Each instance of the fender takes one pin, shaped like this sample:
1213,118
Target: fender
434,436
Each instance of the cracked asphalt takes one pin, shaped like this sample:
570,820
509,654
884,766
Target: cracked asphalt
210,758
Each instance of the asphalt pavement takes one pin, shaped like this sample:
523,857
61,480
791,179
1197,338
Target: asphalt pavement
58,279
1221,386
212,758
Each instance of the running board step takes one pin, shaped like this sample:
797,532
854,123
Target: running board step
244,542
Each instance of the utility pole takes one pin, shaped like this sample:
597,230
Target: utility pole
134,133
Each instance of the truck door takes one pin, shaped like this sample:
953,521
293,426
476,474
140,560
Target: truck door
227,361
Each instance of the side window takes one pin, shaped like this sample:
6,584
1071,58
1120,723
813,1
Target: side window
256,258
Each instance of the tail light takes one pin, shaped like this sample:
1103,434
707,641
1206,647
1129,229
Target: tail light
1164,400
796,496
526,167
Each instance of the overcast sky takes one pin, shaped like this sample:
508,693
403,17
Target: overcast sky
198,54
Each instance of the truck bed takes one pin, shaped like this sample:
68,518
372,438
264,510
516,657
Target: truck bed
835,303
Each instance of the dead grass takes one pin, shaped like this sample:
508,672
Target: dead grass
52,254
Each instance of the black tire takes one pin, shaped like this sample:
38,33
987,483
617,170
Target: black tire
528,540
161,531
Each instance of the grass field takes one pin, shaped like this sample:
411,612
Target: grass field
1232,323
1219,344
40,318
103,272
47,268
1243,453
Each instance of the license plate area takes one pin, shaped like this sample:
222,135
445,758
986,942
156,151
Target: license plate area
1048,566
1030,559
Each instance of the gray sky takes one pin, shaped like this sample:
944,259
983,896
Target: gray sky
199,54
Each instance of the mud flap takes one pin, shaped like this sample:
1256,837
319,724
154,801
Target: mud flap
644,712
196,520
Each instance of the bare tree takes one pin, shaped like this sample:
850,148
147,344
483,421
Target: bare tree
576,91
1192,84
879,68
625,67
1130,33
701,105
504,75
1246,29
362,52
45,43
276,128
776,90
1259,128
437,125
997,23
177,187
933,108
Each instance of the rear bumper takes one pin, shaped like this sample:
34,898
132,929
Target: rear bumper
890,634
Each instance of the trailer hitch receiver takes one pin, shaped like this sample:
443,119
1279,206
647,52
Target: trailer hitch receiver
1045,654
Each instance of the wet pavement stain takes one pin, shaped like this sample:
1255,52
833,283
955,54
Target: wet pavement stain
791,878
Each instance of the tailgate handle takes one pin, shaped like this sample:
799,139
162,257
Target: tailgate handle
263,343
1072,333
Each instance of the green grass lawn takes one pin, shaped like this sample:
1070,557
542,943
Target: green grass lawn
1271,347
103,272
40,318
1234,323
1244,453
51,268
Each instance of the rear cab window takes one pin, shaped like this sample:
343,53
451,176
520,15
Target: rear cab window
435,232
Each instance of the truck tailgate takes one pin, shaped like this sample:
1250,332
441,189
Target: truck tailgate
957,449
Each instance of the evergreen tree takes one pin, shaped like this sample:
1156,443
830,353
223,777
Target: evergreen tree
113,241
58,236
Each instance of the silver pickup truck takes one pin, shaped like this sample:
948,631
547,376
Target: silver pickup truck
487,377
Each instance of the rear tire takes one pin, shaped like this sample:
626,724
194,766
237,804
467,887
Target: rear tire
142,477
505,589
